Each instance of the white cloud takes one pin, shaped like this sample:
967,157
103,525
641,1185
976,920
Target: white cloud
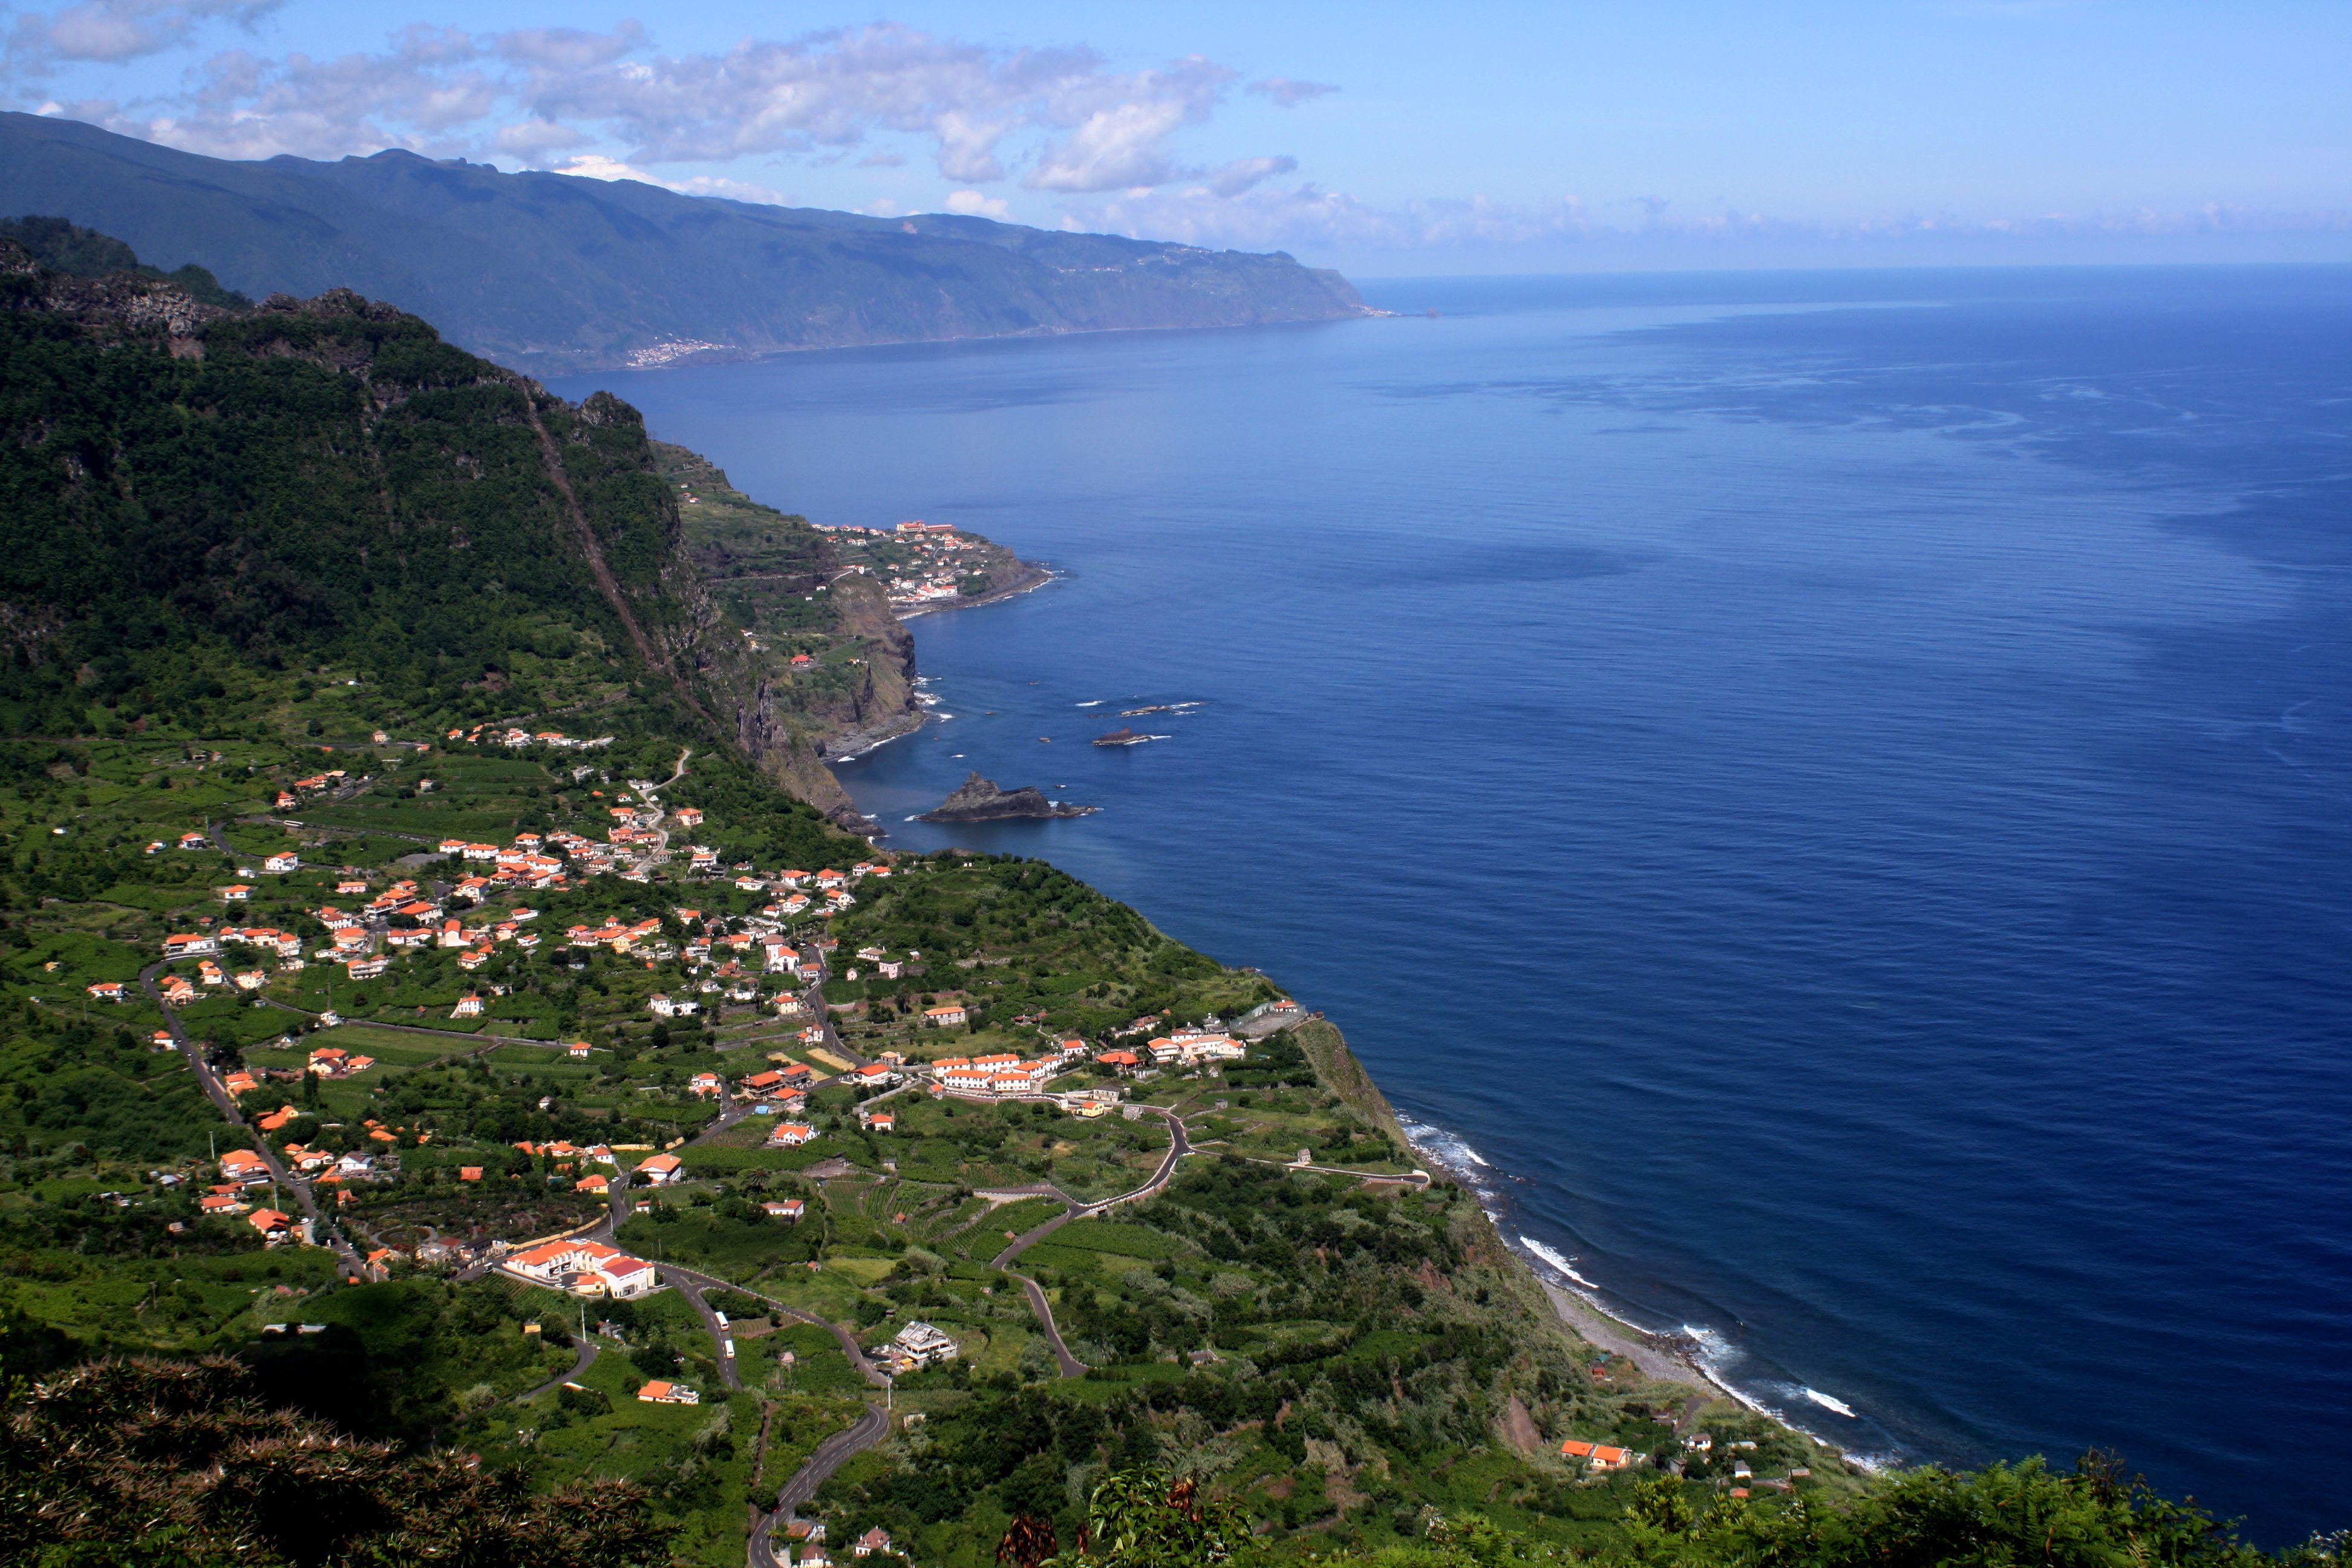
112,31
974,204
1245,173
533,140
596,166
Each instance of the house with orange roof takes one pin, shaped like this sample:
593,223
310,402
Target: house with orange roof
948,1016
661,1170
220,1204
275,1228
105,990
786,1209
595,1185
790,1134
1596,1456
661,1393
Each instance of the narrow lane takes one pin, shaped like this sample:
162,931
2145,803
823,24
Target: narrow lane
830,1456
322,1228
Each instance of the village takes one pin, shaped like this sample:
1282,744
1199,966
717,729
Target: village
720,1121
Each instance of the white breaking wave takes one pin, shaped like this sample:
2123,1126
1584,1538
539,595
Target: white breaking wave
1826,1402
1565,1265
1442,1143
1096,703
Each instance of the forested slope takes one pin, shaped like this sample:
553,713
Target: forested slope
555,273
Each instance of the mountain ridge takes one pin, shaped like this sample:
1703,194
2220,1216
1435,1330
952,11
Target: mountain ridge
555,273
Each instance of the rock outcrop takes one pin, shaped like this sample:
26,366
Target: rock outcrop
978,800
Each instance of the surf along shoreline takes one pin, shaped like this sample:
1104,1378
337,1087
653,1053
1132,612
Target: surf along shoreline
1664,1358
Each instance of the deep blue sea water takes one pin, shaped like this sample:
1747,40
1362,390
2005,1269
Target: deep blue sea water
1837,787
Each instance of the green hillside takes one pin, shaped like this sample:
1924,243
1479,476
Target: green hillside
554,274
369,732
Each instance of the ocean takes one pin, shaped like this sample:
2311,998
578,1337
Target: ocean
1832,793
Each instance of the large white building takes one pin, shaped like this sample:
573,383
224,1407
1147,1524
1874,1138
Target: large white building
585,1269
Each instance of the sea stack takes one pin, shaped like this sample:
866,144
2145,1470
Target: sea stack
978,800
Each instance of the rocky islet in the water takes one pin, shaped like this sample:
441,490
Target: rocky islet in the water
979,799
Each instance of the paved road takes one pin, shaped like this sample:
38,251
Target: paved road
1417,1179
1179,1145
691,1287
1071,1365
218,1093
847,1340
830,1456
587,1356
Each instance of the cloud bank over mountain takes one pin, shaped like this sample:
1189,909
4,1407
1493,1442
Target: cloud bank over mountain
1061,134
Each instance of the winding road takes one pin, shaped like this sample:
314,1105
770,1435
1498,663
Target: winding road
1179,1145
830,1456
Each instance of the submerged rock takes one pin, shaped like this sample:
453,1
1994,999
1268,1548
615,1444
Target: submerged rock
978,800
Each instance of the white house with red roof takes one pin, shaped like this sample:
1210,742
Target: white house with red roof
583,1267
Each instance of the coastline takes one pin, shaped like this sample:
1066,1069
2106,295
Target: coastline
1042,576
1660,1357
1666,1357
1583,1314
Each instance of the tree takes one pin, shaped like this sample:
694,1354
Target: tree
1147,1517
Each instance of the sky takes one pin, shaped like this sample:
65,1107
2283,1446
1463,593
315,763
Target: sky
1387,139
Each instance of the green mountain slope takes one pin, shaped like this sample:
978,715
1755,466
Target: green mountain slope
553,273
328,482
396,684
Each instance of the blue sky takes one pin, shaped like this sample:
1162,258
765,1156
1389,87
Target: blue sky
1384,138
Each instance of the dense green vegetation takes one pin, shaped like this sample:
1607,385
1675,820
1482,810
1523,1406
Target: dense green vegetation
320,592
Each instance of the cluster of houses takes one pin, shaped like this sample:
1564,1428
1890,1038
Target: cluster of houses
317,784
931,576
333,1061
518,738
1190,1047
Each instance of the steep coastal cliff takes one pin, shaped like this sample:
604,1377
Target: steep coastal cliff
555,274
